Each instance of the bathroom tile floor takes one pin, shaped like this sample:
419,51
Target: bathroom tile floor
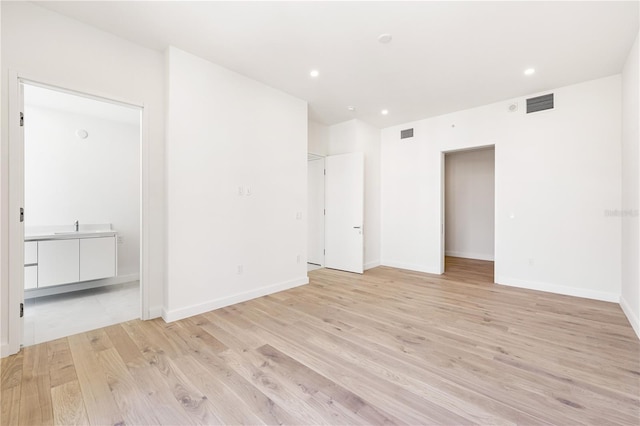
51,317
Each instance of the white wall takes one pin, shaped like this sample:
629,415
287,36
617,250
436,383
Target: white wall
227,131
469,204
557,173
318,138
94,180
57,50
358,136
630,296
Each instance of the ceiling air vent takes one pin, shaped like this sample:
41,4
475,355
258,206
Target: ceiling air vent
540,103
407,133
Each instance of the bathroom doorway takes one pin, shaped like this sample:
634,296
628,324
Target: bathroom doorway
82,221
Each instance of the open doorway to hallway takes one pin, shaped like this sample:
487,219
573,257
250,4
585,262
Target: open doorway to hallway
469,210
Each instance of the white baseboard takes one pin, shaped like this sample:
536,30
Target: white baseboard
189,311
411,267
558,289
631,316
371,265
66,288
465,255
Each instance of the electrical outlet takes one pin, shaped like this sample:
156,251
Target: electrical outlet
298,215
298,259
120,239
240,269
247,190
241,190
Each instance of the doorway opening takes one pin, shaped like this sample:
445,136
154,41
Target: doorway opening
469,212
315,200
82,212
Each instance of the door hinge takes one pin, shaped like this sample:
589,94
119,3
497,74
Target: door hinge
21,310
21,119
324,251
324,211
325,172
21,214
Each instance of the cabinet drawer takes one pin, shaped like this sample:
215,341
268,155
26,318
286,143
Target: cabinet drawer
30,277
30,252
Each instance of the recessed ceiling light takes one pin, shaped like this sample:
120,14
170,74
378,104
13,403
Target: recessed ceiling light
314,73
351,108
529,71
384,112
385,38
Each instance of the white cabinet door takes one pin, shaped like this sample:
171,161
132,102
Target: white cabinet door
30,277
97,258
30,252
58,262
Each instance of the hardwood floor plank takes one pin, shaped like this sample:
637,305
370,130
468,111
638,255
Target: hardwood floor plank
35,394
68,405
313,383
10,405
98,399
134,405
61,367
262,406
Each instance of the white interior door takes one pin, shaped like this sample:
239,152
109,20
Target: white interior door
315,186
344,204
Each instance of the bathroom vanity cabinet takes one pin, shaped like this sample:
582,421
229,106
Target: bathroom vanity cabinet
69,258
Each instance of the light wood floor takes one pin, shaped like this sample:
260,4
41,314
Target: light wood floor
389,346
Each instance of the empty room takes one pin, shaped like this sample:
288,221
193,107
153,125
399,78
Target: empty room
320,212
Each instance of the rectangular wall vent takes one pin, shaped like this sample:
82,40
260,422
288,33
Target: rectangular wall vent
407,133
540,103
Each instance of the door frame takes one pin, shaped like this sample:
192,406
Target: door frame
443,202
316,157
15,189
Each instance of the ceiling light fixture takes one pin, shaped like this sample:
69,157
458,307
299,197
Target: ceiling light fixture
384,112
314,73
351,108
385,38
529,71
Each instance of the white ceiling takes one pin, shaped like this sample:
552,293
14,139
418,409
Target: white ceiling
444,57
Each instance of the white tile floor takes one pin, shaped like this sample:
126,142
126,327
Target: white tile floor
51,317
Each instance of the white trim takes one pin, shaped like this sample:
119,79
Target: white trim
475,256
558,289
633,319
412,267
189,311
371,265
155,312
85,285
145,207
15,227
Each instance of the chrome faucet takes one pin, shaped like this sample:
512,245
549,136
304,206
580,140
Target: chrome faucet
76,225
